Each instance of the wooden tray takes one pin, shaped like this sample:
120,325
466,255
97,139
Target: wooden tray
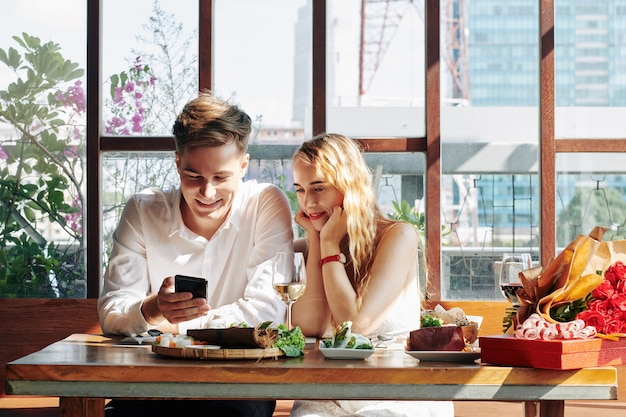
217,354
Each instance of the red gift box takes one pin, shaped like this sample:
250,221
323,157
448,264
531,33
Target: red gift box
551,354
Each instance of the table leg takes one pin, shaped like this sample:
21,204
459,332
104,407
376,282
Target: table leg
81,407
547,408
530,409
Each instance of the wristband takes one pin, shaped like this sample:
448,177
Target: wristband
340,257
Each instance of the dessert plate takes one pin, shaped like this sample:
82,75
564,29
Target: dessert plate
443,356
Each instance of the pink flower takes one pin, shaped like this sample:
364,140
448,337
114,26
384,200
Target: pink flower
604,290
600,306
618,301
118,98
613,326
71,152
74,97
117,121
137,123
130,87
615,273
592,318
3,154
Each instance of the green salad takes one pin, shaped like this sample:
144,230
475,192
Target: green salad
344,338
291,342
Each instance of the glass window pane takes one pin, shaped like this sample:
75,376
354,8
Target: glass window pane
150,68
591,191
375,60
42,127
400,181
590,68
490,135
126,173
266,67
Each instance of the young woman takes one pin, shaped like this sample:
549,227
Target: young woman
361,266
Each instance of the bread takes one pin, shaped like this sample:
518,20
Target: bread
449,338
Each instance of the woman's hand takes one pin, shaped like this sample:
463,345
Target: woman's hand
335,228
303,220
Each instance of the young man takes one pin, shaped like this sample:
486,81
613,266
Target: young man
214,226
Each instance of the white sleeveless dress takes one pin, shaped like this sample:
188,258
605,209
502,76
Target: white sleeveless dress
404,317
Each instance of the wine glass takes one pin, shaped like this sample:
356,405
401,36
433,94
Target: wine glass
289,278
512,264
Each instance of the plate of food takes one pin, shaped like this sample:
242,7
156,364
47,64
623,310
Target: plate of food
445,336
345,353
346,345
243,342
215,352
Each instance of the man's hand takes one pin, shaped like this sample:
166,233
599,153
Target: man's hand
172,306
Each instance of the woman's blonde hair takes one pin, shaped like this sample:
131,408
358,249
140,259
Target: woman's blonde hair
339,161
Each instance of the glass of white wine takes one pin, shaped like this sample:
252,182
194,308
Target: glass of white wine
289,278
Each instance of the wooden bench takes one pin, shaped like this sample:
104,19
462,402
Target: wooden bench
31,324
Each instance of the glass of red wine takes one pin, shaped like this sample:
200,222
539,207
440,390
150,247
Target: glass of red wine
512,264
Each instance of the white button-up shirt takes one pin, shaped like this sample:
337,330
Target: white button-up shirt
151,243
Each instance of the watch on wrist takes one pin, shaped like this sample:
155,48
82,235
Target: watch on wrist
340,257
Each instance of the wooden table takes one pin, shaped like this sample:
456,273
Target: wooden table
84,370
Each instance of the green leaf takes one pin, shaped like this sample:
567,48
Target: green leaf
12,60
124,78
29,214
291,342
291,351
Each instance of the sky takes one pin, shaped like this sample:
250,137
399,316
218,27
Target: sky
261,77
254,51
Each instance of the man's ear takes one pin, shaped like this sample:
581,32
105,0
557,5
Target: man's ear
245,161
177,159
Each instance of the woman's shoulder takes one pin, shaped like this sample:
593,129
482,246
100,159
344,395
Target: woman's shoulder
401,231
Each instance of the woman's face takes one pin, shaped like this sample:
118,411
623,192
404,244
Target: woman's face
209,179
316,197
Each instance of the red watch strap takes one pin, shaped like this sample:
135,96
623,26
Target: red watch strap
332,258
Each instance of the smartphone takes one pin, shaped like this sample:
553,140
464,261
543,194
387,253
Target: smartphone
196,286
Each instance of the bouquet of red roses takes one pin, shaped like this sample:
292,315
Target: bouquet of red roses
579,294
606,309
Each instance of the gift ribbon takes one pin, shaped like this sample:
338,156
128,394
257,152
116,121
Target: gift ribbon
612,336
536,327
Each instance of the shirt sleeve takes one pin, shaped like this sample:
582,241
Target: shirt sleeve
271,233
126,281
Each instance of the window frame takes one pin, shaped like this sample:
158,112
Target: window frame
430,145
